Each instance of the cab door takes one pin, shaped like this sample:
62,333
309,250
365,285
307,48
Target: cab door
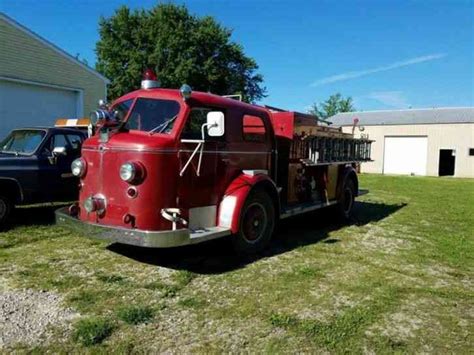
197,190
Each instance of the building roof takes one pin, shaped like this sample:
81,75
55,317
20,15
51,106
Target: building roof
441,115
52,46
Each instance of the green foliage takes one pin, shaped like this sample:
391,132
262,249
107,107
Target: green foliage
181,47
333,105
135,314
92,331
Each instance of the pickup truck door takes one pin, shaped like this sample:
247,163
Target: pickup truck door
57,180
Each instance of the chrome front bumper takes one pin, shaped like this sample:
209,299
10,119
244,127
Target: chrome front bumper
142,238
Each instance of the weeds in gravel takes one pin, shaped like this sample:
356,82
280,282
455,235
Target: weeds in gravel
92,331
135,314
192,302
83,299
167,290
184,277
110,278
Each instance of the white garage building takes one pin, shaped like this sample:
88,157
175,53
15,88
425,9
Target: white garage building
39,82
433,141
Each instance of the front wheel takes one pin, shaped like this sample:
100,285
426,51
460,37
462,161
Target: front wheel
346,200
6,207
257,222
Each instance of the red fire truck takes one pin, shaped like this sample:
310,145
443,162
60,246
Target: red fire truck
167,168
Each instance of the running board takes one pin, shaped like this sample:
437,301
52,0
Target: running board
202,235
303,209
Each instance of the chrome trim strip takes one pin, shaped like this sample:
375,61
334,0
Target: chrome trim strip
336,162
142,238
255,172
171,151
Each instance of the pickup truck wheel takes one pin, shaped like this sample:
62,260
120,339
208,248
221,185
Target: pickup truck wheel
6,207
346,201
256,224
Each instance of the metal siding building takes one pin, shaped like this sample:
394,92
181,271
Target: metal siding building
433,142
39,82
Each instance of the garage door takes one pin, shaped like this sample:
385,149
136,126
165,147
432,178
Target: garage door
24,104
405,155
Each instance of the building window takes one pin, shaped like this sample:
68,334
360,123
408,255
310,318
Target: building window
471,152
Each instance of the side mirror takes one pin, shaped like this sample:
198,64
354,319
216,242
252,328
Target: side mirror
57,151
215,124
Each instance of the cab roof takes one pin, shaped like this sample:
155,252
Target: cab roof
199,96
52,129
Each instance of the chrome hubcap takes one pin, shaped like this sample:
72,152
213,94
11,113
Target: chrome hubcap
255,222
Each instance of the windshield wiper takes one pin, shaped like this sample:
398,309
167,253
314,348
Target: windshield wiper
161,127
14,152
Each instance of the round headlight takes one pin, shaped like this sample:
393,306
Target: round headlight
78,167
128,172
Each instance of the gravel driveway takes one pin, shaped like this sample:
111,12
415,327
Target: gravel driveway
28,316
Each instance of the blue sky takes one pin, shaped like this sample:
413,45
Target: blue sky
385,54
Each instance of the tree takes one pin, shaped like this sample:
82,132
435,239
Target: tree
333,105
180,47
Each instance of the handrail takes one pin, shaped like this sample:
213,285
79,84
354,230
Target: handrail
199,147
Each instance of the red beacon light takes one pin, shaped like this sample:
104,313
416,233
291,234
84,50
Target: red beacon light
150,80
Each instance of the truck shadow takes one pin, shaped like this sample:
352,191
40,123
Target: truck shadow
216,257
34,215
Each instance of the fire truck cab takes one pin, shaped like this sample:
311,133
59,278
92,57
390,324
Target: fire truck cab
167,168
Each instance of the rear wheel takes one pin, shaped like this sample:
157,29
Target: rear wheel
257,222
6,207
346,201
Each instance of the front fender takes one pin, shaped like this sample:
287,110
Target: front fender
235,196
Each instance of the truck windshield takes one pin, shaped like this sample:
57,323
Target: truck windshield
153,115
121,109
22,141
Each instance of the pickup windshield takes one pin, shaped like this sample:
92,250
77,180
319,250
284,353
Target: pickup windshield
153,115
22,141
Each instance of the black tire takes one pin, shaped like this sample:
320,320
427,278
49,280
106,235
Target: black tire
347,199
6,207
257,223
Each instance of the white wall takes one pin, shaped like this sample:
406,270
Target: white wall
458,136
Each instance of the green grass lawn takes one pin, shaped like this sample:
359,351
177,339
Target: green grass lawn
399,278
